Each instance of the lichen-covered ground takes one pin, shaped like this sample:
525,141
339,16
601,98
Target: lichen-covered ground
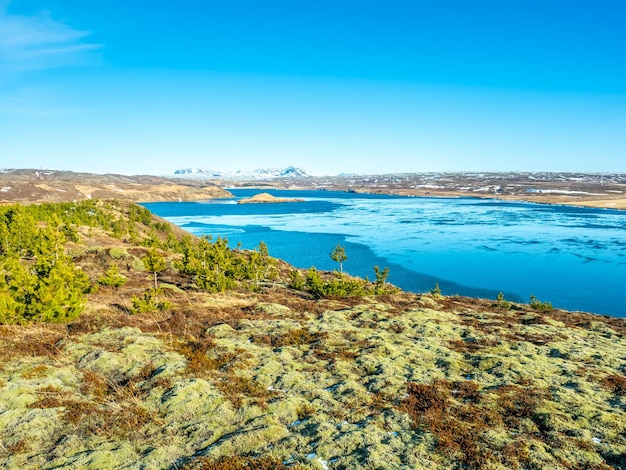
398,381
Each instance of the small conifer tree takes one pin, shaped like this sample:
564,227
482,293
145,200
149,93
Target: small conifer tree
155,263
339,255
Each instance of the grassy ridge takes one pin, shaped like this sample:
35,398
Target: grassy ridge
263,375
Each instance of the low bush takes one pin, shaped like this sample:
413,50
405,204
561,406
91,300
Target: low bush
149,302
112,277
502,303
539,305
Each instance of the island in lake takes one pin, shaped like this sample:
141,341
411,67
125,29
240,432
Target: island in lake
266,198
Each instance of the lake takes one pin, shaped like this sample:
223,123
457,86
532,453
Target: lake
573,257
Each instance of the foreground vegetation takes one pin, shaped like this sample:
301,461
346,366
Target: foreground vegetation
187,354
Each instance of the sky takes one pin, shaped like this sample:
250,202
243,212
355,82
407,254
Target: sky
342,86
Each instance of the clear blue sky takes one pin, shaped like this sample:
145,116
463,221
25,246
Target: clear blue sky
363,86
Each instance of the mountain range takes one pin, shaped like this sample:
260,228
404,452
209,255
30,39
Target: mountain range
264,173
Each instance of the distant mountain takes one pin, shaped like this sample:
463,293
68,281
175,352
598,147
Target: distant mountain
197,172
260,174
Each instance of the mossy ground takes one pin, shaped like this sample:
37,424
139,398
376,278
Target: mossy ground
396,382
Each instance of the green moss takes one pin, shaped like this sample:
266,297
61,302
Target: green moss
170,287
35,427
118,252
249,441
117,456
273,309
327,384
123,352
190,399
138,264
223,330
16,395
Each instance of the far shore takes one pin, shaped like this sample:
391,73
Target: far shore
613,201
596,202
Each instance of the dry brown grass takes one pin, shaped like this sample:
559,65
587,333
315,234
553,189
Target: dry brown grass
241,389
36,372
295,337
39,340
220,368
455,413
198,362
18,447
616,383
472,345
110,409
237,463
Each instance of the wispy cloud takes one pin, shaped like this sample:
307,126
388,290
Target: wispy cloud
40,42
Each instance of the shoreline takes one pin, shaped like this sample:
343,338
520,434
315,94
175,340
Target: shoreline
573,201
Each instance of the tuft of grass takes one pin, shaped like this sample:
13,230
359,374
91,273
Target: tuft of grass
94,384
34,341
305,410
516,402
198,361
294,337
97,417
38,372
616,383
18,447
237,389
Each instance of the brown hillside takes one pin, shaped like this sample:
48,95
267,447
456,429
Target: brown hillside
58,186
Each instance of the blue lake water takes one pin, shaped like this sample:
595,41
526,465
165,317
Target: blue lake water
570,256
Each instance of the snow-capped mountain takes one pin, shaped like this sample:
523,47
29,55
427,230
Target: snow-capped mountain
203,173
197,173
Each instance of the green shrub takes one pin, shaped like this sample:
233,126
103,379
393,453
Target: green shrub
52,290
380,284
149,302
214,281
501,302
296,280
338,286
112,277
538,305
